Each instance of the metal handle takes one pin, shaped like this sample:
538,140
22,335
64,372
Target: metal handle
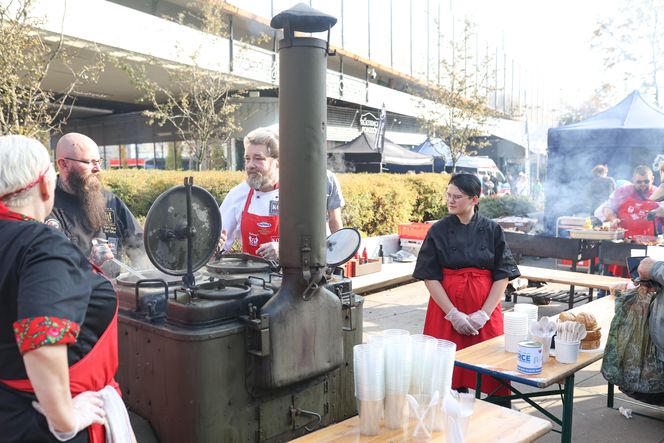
296,412
148,281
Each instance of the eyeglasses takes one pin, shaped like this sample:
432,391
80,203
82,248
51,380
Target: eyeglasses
456,197
642,182
92,162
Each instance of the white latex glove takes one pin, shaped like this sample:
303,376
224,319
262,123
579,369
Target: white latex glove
460,322
478,319
269,251
87,407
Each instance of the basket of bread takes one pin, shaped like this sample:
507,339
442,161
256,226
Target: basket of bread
593,331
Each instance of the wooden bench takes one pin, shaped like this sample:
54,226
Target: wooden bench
594,281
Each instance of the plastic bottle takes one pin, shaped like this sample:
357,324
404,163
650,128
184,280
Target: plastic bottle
588,224
365,257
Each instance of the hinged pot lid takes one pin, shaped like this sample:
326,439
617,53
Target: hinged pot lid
168,233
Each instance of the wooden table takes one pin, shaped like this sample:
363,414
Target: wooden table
489,423
490,358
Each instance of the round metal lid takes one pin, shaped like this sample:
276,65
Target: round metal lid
129,279
165,233
342,245
239,264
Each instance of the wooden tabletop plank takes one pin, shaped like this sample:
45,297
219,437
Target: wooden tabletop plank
490,356
570,278
489,423
391,274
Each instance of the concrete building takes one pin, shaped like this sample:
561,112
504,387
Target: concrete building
386,53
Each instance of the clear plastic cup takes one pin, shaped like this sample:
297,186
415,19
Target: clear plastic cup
398,360
422,409
442,379
546,346
371,413
421,373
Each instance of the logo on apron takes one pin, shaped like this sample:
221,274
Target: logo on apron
253,239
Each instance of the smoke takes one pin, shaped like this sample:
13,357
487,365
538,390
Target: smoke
573,152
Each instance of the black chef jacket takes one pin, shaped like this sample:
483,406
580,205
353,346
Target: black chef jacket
43,275
451,244
120,228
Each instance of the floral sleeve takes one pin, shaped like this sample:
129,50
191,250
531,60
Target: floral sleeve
32,333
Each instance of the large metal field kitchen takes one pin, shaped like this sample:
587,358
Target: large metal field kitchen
234,348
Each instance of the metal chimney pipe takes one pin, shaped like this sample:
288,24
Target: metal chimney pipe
302,160
304,318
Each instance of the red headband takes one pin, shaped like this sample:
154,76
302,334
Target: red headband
29,186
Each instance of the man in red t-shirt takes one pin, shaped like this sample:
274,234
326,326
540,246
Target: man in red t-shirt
630,204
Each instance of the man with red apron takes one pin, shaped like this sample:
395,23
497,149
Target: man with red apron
629,207
250,211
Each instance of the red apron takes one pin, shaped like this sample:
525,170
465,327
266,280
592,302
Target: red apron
257,229
467,289
91,373
633,218
632,214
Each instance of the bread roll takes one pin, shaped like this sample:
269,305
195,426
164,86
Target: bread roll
594,334
587,319
566,316
592,344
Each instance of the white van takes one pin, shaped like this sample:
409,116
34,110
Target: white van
482,166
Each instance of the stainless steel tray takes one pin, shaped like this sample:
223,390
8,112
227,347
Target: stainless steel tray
591,234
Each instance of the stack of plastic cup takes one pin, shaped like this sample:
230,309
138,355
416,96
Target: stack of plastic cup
530,310
421,372
398,358
368,360
516,330
442,377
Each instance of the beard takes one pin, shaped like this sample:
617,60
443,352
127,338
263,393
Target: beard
89,192
257,180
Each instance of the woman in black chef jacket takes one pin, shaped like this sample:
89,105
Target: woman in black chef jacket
465,265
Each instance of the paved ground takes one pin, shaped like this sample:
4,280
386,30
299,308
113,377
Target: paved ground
404,307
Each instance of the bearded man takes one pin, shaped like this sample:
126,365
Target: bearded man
250,211
84,210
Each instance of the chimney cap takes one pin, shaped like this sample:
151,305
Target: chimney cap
302,18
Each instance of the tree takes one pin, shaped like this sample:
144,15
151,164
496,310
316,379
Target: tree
600,101
456,110
632,45
27,107
196,102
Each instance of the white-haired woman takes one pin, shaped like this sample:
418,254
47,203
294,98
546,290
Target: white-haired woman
58,315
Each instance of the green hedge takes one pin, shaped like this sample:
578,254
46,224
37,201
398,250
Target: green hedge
375,203
516,205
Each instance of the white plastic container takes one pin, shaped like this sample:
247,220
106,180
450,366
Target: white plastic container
567,352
